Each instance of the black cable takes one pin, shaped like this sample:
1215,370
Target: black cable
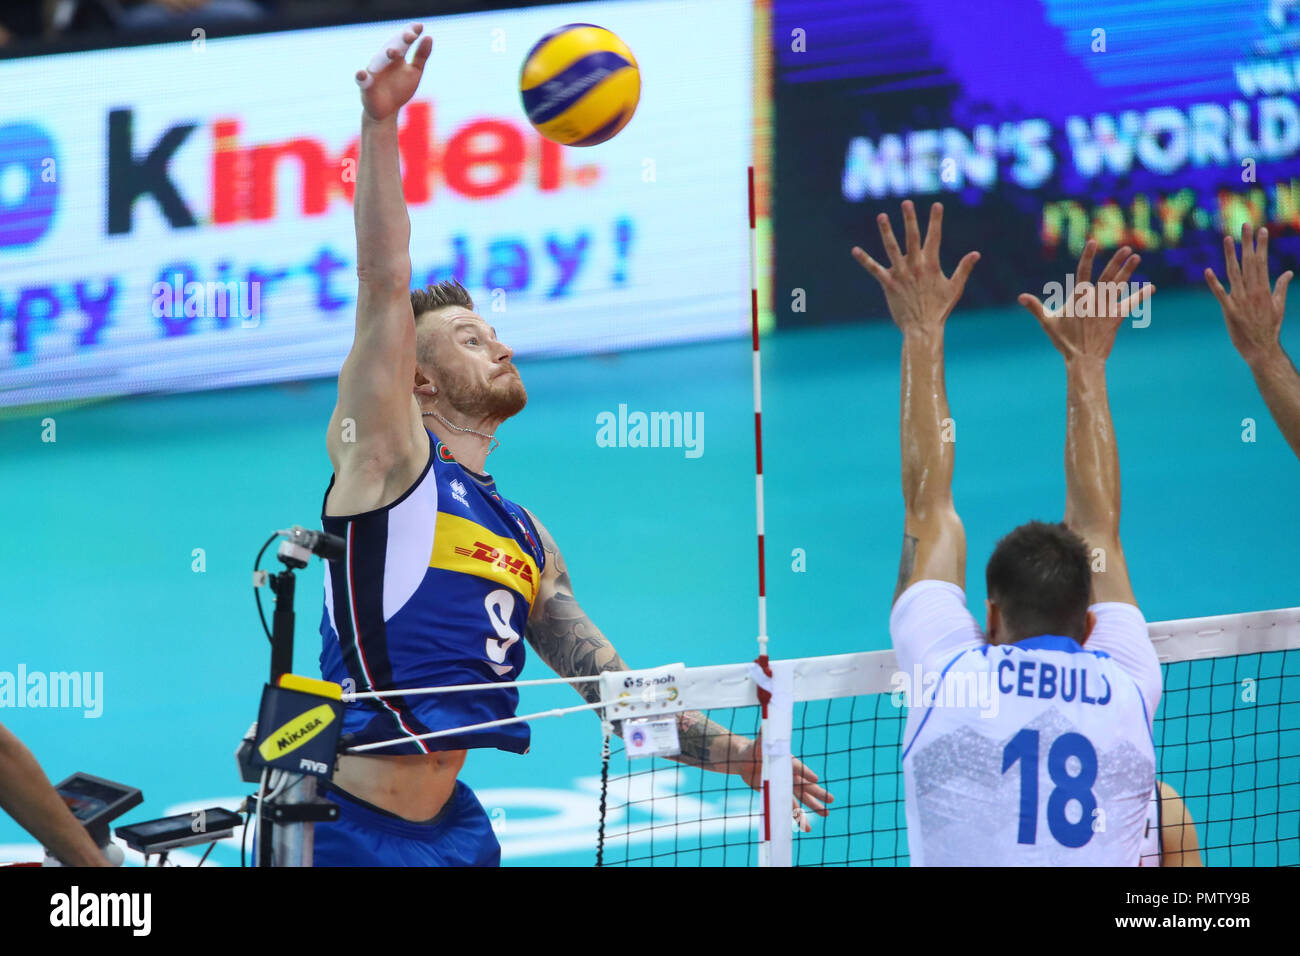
257,594
604,787
243,838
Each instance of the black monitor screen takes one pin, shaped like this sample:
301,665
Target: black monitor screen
91,799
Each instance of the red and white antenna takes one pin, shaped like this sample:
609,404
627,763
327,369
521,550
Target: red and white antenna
758,414
764,696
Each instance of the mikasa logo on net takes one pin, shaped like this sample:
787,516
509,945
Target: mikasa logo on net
969,690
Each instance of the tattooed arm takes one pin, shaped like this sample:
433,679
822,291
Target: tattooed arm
572,646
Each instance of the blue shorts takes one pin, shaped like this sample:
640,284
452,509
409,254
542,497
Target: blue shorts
363,835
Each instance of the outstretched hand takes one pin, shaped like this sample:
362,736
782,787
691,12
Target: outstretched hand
919,295
1085,326
388,82
806,788
1252,311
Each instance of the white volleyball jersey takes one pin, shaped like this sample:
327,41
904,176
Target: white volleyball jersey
1037,753
1152,849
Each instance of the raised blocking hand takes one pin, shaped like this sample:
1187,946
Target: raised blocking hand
919,295
1085,326
1252,311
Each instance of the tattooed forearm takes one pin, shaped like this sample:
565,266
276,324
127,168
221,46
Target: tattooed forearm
703,742
562,635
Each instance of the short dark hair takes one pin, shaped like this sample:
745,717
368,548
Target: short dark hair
1040,579
448,292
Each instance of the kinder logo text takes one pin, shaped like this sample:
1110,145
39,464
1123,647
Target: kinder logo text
82,690
74,908
482,159
653,430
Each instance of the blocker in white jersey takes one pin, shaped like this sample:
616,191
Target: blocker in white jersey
1033,753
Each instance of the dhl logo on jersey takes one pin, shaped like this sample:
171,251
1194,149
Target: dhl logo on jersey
466,546
485,552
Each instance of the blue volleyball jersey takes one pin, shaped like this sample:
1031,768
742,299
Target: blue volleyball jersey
434,590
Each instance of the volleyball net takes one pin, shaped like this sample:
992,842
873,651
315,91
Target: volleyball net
1226,734
1227,737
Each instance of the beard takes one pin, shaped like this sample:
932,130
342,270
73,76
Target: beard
499,398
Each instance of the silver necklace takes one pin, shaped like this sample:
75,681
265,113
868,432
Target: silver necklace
470,431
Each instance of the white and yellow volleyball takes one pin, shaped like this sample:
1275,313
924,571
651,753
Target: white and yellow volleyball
580,85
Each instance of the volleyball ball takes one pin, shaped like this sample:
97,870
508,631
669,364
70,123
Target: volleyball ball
580,85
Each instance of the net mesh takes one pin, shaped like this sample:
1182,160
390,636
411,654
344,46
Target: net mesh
1227,738
660,813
